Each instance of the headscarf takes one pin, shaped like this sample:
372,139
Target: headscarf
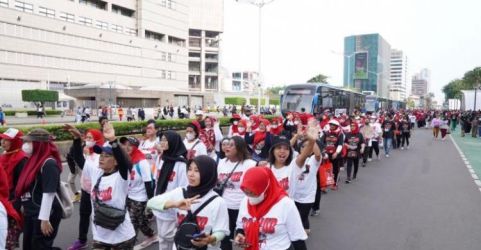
258,180
4,195
41,152
355,131
98,138
208,176
10,159
235,117
255,121
260,136
244,124
278,130
136,155
176,152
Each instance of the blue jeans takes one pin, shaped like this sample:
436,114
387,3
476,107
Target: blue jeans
387,145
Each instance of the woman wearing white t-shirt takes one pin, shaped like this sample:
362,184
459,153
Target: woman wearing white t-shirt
268,219
111,189
213,218
193,144
306,184
172,173
230,171
141,188
149,143
282,162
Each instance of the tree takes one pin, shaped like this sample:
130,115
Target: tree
411,104
319,78
453,89
274,91
39,95
472,78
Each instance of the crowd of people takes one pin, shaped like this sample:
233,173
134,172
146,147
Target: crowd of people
253,186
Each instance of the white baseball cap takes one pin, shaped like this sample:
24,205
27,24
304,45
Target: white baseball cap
10,134
199,112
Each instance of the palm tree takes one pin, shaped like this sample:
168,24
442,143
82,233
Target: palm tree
319,78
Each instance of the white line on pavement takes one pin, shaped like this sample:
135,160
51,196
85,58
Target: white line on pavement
468,165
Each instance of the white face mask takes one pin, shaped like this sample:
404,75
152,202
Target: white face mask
274,126
27,147
241,129
89,144
256,200
235,122
190,136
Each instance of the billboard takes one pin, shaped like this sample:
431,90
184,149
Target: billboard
360,69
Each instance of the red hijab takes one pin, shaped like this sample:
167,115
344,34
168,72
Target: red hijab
4,194
136,155
12,157
244,124
355,131
41,152
98,138
256,180
260,136
278,130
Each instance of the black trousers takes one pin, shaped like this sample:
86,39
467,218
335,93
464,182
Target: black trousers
375,148
317,201
367,150
336,166
350,162
405,138
85,212
226,244
33,238
304,209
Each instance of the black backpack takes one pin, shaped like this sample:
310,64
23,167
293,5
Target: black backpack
189,227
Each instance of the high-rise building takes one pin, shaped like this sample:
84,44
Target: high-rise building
136,47
245,81
367,63
420,83
398,75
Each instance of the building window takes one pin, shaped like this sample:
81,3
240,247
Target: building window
164,56
102,25
4,3
163,74
176,41
132,32
23,6
67,17
122,11
85,21
154,35
116,28
94,3
169,57
46,12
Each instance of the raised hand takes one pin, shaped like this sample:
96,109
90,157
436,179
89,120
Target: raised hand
185,204
109,131
72,130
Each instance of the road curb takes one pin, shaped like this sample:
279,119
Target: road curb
467,164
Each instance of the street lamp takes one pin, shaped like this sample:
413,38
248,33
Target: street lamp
259,4
348,64
110,99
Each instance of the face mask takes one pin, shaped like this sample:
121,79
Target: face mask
235,122
256,200
27,148
258,151
190,136
274,126
90,144
241,129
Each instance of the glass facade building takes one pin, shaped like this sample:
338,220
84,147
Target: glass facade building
366,63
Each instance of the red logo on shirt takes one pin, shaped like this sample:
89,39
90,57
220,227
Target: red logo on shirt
284,183
190,154
201,220
132,174
171,177
267,225
104,195
235,177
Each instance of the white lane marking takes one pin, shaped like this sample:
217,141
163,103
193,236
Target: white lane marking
468,165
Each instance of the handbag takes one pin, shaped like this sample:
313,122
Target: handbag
104,215
219,187
188,227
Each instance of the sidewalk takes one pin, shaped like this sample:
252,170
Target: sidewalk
471,148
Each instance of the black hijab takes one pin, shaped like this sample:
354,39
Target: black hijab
208,176
176,152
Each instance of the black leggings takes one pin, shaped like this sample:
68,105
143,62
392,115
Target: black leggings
317,202
375,148
85,211
304,209
405,138
33,237
336,166
367,150
350,162
226,244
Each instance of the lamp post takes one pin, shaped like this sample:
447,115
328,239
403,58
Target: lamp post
259,4
110,100
348,56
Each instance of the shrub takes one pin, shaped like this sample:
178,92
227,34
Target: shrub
39,95
32,112
235,100
274,102
254,101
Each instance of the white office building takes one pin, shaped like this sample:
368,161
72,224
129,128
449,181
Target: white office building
129,52
398,76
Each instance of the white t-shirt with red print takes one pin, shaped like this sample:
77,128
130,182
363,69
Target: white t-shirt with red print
306,181
214,215
113,191
233,195
195,148
91,166
136,185
278,228
178,178
286,176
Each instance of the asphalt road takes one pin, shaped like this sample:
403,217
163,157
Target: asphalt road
422,198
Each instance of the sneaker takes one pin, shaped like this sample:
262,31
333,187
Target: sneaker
402,148
78,245
315,212
149,241
370,159
348,181
76,197
387,156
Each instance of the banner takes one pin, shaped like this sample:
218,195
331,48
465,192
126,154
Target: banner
360,69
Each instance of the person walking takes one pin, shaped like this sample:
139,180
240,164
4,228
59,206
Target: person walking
388,135
405,133
120,112
355,148
2,117
36,187
436,125
333,139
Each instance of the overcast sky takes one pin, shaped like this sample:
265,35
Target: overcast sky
300,35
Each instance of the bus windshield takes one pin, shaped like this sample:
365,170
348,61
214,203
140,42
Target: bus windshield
293,102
